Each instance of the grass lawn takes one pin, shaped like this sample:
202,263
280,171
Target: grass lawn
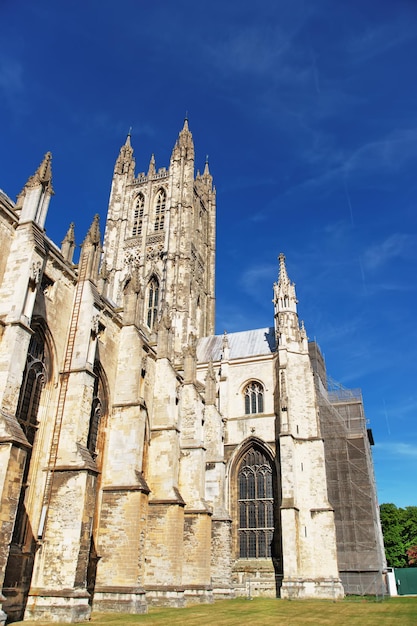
266,611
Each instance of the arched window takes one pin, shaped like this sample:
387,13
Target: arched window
160,210
138,215
255,502
153,297
98,408
254,398
18,572
34,379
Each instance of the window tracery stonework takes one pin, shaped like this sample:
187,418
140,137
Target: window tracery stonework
255,505
254,398
132,257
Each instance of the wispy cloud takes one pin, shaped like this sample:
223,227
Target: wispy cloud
252,276
398,449
390,152
380,38
397,245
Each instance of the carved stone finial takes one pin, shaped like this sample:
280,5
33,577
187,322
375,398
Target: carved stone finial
93,235
136,281
191,348
165,320
43,175
35,273
104,271
95,325
211,374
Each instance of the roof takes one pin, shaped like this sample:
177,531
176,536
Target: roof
243,344
6,200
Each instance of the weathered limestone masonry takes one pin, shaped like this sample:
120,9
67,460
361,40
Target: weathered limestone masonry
306,515
143,459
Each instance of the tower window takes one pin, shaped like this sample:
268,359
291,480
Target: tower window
160,210
254,398
256,519
153,297
138,215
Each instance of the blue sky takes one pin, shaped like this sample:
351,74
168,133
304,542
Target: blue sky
308,112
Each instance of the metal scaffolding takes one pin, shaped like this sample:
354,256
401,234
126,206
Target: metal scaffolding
351,483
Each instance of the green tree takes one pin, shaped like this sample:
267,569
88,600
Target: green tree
392,529
409,523
412,556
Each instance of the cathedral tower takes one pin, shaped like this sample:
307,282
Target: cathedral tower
160,233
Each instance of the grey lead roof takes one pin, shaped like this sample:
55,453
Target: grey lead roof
246,343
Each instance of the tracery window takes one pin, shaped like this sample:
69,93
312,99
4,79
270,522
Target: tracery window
98,408
255,504
34,379
138,215
153,297
254,398
160,205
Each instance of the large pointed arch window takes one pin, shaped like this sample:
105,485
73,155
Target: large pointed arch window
254,398
18,571
98,409
160,204
153,298
138,215
255,505
34,379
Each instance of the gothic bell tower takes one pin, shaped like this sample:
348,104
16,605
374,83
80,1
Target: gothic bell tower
160,242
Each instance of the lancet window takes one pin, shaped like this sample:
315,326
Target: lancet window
153,298
254,398
98,408
255,505
34,379
138,215
160,204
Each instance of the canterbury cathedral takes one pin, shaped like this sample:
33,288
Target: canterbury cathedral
145,460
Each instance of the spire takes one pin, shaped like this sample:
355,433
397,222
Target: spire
287,327
285,297
43,175
125,163
93,235
207,177
185,135
184,146
151,170
33,201
283,276
206,167
91,251
68,243
70,236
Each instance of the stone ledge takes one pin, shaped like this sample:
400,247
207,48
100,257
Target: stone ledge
118,589
59,593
